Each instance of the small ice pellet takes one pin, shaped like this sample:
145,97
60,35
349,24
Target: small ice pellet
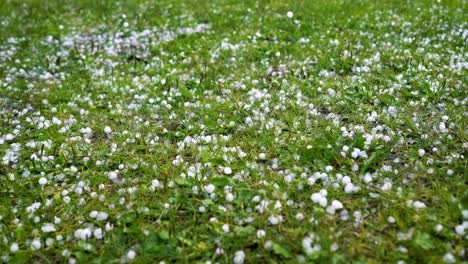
42,181
421,152
131,254
210,188
227,171
14,247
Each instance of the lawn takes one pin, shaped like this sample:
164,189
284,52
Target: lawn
231,131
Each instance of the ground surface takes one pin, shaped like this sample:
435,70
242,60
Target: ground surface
233,131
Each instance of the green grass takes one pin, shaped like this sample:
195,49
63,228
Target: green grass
190,89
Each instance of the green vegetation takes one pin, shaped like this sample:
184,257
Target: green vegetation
233,131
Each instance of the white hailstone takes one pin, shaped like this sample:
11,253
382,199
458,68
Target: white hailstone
36,244
391,220
49,241
331,209
311,180
465,214
277,205
177,161
363,154
112,175
263,206
93,214
273,220
418,204
349,188
268,244
450,172
219,251
323,192
86,130
386,186
131,254
26,174
242,154
202,209
337,204
14,247
346,180
319,198
210,188
261,233
98,215
307,246
47,228
438,228
315,197
449,258
107,130
239,257
256,199
229,197
334,247
83,234
323,201
442,127
421,152
460,230
355,167
289,14
355,153
31,209
98,233
225,228
299,216
227,171
328,168
102,216
262,156
109,226
42,181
